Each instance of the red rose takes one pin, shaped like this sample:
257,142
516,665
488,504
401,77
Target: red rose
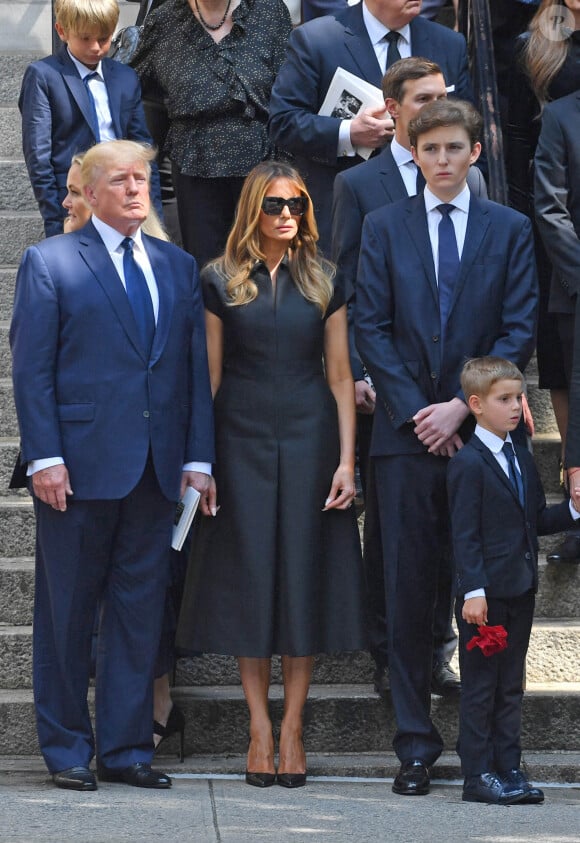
491,639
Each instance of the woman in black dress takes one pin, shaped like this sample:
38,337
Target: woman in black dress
278,569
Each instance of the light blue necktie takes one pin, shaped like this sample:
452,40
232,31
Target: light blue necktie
139,296
86,80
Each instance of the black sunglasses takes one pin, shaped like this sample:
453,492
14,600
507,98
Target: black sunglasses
273,205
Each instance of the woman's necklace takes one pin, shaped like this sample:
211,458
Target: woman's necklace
212,26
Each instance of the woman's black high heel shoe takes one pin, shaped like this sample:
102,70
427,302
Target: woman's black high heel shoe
291,779
259,779
175,723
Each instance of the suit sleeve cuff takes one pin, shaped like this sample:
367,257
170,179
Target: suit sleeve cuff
575,515
345,147
477,592
202,467
38,465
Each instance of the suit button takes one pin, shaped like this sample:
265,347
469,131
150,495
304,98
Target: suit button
433,376
145,414
528,555
435,338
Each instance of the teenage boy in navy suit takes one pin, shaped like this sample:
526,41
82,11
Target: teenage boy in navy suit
74,99
498,509
442,276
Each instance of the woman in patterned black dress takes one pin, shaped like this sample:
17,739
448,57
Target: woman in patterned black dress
278,570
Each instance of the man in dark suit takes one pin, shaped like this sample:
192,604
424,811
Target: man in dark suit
112,392
72,100
442,276
557,206
355,41
392,175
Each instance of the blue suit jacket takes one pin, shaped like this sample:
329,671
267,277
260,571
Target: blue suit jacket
357,192
84,389
315,50
495,539
57,124
493,309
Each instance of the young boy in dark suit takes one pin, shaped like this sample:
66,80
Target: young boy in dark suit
74,99
498,509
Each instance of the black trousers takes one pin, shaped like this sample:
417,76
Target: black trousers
206,210
490,715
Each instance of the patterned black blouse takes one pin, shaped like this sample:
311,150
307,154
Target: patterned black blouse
217,95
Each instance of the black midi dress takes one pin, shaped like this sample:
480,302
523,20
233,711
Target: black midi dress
272,573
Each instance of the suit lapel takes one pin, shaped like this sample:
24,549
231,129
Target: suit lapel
390,177
487,455
77,88
162,270
358,44
97,258
477,225
416,223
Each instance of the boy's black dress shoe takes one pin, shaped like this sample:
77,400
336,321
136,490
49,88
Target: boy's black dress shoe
444,681
568,551
75,778
489,788
515,778
137,775
412,779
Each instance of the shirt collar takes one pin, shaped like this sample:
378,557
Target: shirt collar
461,201
490,440
378,30
83,69
400,154
113,238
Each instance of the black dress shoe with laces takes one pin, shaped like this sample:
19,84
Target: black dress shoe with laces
489,788
137,775
444,681
568,551
515,778
412,779
75,778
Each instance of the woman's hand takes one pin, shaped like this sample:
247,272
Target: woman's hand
343,491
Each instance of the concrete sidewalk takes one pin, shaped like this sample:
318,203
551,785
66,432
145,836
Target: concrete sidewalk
203,809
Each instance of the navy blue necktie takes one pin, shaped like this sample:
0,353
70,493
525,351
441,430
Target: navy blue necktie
86,79
139,296
448,263
393,53
515,476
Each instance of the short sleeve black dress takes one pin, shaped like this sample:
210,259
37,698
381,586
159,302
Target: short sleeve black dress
272,573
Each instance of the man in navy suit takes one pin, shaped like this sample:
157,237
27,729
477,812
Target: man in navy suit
392,175
355,41
113,398
442,276
74,99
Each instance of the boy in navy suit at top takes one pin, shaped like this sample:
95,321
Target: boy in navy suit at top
498,509
75,99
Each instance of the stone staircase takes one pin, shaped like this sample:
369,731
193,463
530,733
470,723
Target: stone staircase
348,729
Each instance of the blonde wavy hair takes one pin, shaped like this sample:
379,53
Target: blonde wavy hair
311,274
543,57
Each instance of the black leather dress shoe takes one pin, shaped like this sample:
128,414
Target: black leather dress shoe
568,551
412,779
75,778
517,779
381,681
444,681
489,788
137,775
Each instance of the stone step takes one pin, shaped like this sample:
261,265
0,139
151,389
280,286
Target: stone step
15,188
5,358
8,422
10,132
19,229
17,533
7,281
338,719
547,449
552,657
9,449
12,67
541,407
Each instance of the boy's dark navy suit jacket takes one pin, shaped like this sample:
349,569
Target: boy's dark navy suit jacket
495,540
57,124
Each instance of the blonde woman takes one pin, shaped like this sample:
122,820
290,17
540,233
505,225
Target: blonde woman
278,570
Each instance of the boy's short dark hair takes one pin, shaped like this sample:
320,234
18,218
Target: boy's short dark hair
480,373
87,16
446,113
406,70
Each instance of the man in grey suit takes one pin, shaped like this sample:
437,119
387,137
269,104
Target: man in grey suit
392,175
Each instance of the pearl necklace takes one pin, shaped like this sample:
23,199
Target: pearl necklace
213,27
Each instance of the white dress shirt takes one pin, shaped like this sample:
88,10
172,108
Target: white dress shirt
377,32
458,217
112,240
100,96
407,167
